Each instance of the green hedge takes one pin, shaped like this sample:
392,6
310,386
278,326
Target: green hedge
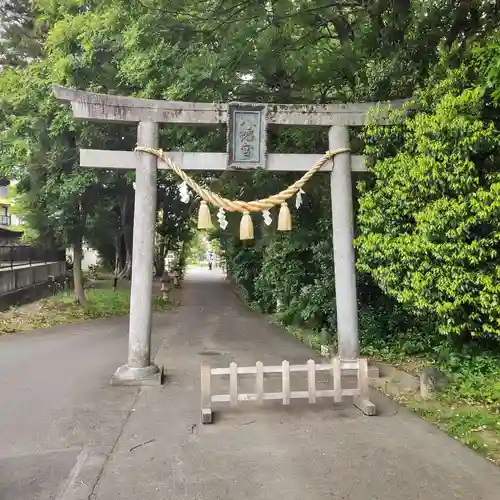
429,222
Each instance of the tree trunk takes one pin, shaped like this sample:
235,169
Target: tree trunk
125,262
160,260
128,265
128,234
118,260
77,274
464,338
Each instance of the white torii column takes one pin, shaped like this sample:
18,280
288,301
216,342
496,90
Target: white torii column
139,369
343,248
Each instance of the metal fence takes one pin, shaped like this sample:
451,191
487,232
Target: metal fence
5,220
24,255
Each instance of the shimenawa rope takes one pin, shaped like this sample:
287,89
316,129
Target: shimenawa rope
244,207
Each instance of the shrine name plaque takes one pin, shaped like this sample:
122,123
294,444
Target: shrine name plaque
246,130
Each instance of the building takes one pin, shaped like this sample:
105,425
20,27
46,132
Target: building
9,237
90,257
9,234
7,219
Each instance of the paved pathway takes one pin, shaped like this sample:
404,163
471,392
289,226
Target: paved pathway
62,425
55,399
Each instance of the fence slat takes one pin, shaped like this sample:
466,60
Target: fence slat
311,380
325,393
233,384
362,401
17,255
286,382
248,370
337,380
363,378
206,394
336,368
205,386
259,381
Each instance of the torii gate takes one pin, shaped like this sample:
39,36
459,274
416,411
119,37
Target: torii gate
148,114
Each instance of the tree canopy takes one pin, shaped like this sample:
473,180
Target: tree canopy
429,199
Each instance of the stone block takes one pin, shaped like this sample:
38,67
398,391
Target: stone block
149,376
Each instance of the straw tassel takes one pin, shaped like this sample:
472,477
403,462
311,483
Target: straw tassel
284,218
246,227
204,218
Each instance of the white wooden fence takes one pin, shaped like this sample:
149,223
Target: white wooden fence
336,368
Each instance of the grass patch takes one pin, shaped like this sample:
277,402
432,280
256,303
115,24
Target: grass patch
308,337
61,309
469,408
475,426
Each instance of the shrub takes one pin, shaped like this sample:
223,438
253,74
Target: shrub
243,264
429,222
283,272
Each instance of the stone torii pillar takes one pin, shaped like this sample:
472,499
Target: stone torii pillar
139,368
343,249
147,114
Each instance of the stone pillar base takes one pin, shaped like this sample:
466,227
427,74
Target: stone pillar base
366,406
127,375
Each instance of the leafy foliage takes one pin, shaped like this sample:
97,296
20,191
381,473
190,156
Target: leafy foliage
428,218
61,309
21,39
429,230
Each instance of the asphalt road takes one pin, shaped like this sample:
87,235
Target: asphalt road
65,434
57,409
296,452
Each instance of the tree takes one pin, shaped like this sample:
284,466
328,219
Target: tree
20,36
281,51
38,142
174,220
429,222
